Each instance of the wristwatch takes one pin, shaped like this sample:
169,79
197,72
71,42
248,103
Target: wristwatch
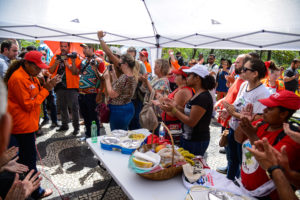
271,169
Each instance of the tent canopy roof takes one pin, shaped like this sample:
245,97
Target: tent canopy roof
230,24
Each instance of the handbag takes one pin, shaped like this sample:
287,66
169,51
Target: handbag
148,118
103,112
223,140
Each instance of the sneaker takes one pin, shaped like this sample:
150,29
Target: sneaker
54,125
62,128
223,151
44,122
75,132
222,170
47,193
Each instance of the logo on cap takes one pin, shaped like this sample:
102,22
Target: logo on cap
43,59
276,95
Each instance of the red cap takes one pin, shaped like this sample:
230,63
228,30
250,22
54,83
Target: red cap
144,53
284,98
180,72
37,58
99,52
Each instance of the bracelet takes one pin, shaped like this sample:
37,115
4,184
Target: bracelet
174,110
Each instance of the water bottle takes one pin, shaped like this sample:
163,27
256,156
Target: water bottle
161,134
94,132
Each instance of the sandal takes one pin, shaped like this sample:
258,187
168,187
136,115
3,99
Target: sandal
47,193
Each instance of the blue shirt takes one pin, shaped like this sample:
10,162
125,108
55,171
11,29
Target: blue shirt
4,62
222,82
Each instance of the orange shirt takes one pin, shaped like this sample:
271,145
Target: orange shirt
279,85
230,98
72,80
148,67
25,96
175,64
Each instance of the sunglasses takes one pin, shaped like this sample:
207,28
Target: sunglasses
246,69
120,63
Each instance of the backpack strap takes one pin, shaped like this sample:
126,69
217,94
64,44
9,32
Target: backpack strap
279,137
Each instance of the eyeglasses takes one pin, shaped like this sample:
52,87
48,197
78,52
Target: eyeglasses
246,69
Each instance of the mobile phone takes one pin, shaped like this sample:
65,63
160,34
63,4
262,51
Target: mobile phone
109,67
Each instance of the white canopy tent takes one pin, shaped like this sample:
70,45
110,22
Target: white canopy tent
218,24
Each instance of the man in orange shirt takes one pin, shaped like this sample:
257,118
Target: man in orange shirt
144,59
68,67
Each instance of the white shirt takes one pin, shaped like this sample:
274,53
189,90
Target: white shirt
245,97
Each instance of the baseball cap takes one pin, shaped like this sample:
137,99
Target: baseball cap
200,70
284,98
99,52
115,50
296,60
131,49
180,72
37,58
144,53
86,45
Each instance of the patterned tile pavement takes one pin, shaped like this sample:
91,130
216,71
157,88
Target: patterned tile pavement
74,170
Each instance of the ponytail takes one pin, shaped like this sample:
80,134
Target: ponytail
12,68
208,82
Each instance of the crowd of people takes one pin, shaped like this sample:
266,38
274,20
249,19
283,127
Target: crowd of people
251,99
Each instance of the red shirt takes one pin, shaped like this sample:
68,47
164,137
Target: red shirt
252,174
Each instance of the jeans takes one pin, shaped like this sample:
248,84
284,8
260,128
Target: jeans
120,116
51,102
234,156
194,147
87,106
27,154
68,98
135,122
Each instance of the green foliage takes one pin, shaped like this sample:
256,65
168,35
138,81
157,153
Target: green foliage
284,58
281,58
26,43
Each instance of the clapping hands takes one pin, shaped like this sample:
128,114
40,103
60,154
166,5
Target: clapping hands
21,190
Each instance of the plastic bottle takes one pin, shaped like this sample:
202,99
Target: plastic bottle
94,132
161,134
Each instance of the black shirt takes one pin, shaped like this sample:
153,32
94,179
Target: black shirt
201,131
293,84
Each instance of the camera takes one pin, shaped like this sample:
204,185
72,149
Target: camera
60,57
109,67
72,55
93,62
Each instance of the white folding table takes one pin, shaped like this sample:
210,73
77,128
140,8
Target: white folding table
133,185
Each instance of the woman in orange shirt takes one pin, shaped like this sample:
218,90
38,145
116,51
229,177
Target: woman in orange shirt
25,96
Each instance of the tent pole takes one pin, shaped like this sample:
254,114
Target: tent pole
269,55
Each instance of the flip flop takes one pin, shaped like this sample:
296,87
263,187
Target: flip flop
47,193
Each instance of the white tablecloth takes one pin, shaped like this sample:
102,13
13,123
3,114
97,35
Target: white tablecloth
133,185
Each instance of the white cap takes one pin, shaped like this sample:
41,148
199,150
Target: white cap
115,50
200,70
